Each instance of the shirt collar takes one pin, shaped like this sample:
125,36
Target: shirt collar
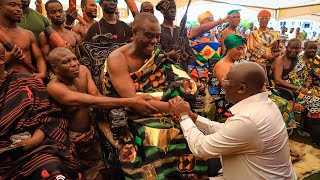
260,97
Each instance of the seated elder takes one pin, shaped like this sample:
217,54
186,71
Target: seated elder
34,141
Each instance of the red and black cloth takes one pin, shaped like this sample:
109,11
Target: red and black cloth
25,106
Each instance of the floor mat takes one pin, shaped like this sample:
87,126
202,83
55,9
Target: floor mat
308,164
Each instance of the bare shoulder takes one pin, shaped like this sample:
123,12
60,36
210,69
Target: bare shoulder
278,60
218,65
76,28
42,35
53,84
83,69
25,33
42,39
118,57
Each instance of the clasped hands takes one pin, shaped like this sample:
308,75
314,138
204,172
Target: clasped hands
179,107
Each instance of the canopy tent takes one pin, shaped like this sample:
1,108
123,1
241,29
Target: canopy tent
282,9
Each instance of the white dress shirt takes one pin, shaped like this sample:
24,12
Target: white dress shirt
253,144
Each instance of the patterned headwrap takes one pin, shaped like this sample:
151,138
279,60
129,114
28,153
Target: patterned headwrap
164,4
234,11
233,41
264,12
204,15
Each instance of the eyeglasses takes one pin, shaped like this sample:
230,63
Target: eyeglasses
209,19
264,18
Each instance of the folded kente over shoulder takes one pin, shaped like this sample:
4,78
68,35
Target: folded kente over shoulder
25,107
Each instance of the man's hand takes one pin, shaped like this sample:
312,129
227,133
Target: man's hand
71,15
304,91
179,107
275,55
139,103
39,75
174,54
27,144
16,53
67,45
225,19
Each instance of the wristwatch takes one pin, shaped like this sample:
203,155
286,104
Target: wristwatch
184,117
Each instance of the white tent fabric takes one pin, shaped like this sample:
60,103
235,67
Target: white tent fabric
282,9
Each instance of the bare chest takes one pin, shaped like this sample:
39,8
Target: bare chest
135,65
69,37
21,38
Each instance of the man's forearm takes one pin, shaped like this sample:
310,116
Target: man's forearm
109,102
197,31
83,99
42,67
162,107
38,137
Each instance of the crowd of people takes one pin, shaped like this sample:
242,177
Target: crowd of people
103,99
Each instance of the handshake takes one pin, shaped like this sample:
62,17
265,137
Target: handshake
179,108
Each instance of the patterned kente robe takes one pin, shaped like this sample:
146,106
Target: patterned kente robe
154,146
264,42
25,107
298,76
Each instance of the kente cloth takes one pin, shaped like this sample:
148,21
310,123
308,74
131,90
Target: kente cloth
297,74
205,47
286,109
169,43
203,16
87,147
264,42
313,67
25,107
263,13
206,50
88,151
102,39
234,11
152,146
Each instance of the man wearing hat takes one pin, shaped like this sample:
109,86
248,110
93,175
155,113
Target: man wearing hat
263,43
181,52
231,28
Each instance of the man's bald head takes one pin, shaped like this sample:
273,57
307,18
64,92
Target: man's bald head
56,54
142,19
243,80
249,73
64,63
